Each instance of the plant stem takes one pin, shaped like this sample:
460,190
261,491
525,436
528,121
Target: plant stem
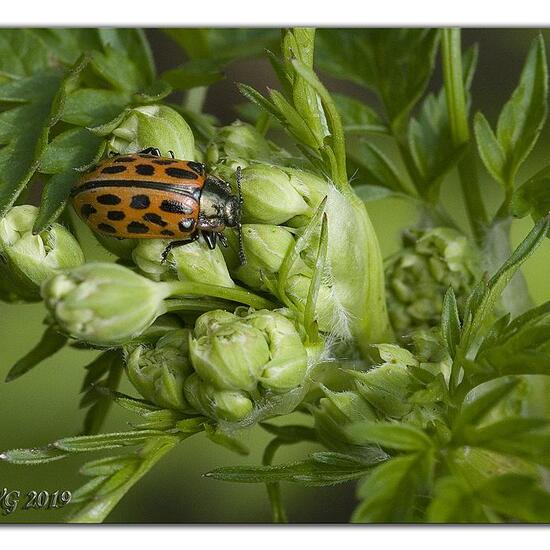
234,294
194,101
274,489
460,132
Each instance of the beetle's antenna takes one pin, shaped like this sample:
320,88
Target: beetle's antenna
242,255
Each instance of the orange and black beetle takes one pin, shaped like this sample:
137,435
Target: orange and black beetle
147,196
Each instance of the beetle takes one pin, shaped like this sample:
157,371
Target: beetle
148,196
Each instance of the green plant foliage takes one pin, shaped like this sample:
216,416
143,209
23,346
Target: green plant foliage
414,377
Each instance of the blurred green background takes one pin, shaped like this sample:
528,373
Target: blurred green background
43,405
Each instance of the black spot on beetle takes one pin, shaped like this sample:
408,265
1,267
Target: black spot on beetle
116,215
125,159
139,202
113,169
175,207
137,227
145,169
108,198
180,173
106,228
154,218
167,232
87,210
164,162
196,166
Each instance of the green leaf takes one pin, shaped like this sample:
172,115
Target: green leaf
110,365
369,193
479,403
155,92
358,117
489,148
224,44
83,443
401,437
505,429
50,343
391,489
519,347
454,502
225,440
517,497
430,139
102,494
199,72
520,121
450,322
533,197
375,168
92,107
290,433
483,299
32,456
307,472
395,63
106,466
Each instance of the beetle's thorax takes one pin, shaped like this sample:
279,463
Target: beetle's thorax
218,207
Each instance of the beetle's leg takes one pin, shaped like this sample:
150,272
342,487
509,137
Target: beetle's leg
171,153
210,238
113,154
151,151
177,244
223,239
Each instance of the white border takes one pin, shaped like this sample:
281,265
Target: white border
532,13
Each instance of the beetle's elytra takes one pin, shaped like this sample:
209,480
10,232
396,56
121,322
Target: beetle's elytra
148,196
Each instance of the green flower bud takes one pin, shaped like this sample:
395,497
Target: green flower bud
287,366
250,348
266,247
228,405
154,126
387,386
103,304
418,276
26,260
269,196
122,248
193,262
236,145
158,373
230,357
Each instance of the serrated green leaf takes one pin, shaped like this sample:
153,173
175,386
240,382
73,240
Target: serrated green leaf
33,456
50,343
484,297
92,107
395,63
402,437
155,92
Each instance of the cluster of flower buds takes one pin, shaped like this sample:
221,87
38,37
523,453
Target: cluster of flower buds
26,259
418,276
240,357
